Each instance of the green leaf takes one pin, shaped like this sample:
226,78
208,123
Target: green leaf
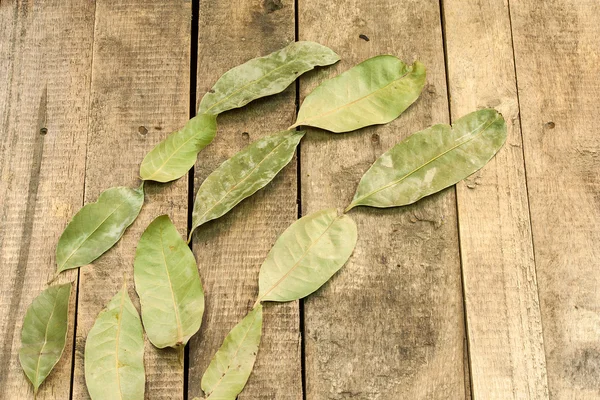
98,226
114,352
173,157
167,281
232,365
431,160
242,175
375,91
44,333
264,76
306,255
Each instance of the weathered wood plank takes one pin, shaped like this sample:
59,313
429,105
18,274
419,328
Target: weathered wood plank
501,295
557,54
45,70
140,93
390,323
231,249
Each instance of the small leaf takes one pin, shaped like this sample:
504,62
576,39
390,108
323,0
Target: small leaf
243,175
44,333
375,91
98,226
167,281
232,365
174,156
306,255
114,352
431,160
265,76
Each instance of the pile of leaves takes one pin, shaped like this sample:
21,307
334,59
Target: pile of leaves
302,259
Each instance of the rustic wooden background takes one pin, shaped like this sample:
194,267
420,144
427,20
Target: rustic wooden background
490,290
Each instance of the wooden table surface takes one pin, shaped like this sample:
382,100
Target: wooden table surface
490,290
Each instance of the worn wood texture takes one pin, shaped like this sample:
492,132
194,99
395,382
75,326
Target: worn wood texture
230,250
140,93
557,54
501,296
390,323
45,71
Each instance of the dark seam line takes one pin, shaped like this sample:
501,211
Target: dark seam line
512,42
467,370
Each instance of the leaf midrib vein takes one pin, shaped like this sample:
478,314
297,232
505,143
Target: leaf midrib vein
177,317
37,368
119,323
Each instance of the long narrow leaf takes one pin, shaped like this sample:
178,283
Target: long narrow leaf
431,160
174,156
44,333
167,281
114,352
98,226
264,76
243,175
375,91
232,365
306,255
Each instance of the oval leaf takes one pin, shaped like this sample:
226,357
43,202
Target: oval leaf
167,281
232,365
431,160
44,333
243,175
375,91
306,255
173,157
114,352
98,226
265,76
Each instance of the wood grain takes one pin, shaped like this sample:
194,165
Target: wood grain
231,249
140,93
45,70
557,55
390,324
501,295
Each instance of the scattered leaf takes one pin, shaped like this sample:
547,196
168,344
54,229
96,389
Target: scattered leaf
174,156
167,281
243,175
114,352
431,160
375,91
265,76
306,255
44,333
232,365
98,226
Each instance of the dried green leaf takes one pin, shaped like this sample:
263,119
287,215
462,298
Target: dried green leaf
44,333
265,76
98,226
232,365
306,255
375,91
174,156
167,281
114,352
242,175
431,160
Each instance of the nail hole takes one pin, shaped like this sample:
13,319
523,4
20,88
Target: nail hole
550,125
375,138
245,135
142,130
364,37
43,131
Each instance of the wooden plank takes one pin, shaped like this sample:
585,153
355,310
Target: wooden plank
140,93
231,249
557,54
500,288
45,70
390,324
